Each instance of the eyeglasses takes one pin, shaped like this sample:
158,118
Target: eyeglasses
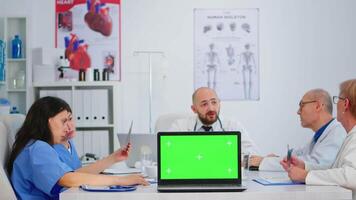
302,103
336,99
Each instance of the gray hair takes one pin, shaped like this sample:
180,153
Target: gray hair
323,96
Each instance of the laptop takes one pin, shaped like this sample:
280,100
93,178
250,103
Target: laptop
199,162
139,142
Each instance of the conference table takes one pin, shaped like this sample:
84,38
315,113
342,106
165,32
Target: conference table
255,191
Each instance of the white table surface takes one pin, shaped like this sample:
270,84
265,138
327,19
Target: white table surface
254,191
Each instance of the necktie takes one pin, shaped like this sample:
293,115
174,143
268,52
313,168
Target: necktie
207,128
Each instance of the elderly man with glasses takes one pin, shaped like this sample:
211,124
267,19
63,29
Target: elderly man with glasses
315,112
343,170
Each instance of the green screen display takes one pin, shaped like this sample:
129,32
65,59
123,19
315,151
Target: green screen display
199,157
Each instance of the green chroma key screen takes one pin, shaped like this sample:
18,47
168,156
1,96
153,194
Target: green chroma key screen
199,157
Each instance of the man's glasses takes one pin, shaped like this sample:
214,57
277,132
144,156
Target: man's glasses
336,99
302,103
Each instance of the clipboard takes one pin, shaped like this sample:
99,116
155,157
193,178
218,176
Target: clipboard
129,134
275,182
114,188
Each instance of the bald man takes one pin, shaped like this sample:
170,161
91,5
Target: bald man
315,112
206,106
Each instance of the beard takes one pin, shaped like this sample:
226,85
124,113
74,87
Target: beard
209,118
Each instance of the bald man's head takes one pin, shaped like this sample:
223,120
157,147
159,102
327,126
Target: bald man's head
315,109
206,105
322,96
203,90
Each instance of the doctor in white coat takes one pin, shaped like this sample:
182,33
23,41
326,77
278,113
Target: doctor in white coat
315,111
343,171
206,106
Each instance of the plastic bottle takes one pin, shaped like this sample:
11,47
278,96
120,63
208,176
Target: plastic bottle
105,74
16,47
2,61
81,75
89,74
96,75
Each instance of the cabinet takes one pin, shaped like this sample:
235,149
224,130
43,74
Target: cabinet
14,86
94,106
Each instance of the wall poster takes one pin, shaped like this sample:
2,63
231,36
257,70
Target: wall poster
89,31
226,56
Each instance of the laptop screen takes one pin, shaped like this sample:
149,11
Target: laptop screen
199,156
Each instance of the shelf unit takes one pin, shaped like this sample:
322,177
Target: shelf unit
14,87
70,91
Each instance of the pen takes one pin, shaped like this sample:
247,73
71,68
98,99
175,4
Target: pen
289,155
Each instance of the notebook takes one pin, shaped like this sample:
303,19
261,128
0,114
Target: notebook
139,142
199,161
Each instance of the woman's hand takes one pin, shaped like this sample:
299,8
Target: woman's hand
122,153
132,180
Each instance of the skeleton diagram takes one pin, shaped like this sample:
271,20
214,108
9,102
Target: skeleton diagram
247,61
230,55
212,63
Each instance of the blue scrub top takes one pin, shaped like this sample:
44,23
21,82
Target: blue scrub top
36,171
70,158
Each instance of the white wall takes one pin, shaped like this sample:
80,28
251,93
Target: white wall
303,44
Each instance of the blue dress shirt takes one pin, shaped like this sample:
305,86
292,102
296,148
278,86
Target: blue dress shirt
319,132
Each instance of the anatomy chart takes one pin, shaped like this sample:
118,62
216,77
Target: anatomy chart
89,31
226,52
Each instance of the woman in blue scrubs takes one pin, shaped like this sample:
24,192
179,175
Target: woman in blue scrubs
68,154
36,170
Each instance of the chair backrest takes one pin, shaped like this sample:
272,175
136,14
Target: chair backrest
164,122
9,125
6,189
12,122
4,145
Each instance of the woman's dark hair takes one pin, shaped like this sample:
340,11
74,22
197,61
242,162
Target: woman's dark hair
35,126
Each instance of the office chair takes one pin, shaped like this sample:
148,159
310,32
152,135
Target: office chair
165,121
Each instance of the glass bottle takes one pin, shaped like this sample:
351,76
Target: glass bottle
20,79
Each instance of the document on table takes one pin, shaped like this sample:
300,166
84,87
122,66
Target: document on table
114,188
275,180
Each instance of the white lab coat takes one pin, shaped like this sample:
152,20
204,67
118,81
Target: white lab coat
194,124
320,155
343,171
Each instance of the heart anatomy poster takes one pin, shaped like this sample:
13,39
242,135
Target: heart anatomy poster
226,52
89,33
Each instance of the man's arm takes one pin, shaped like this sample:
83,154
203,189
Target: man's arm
271,164
324,152
246,142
